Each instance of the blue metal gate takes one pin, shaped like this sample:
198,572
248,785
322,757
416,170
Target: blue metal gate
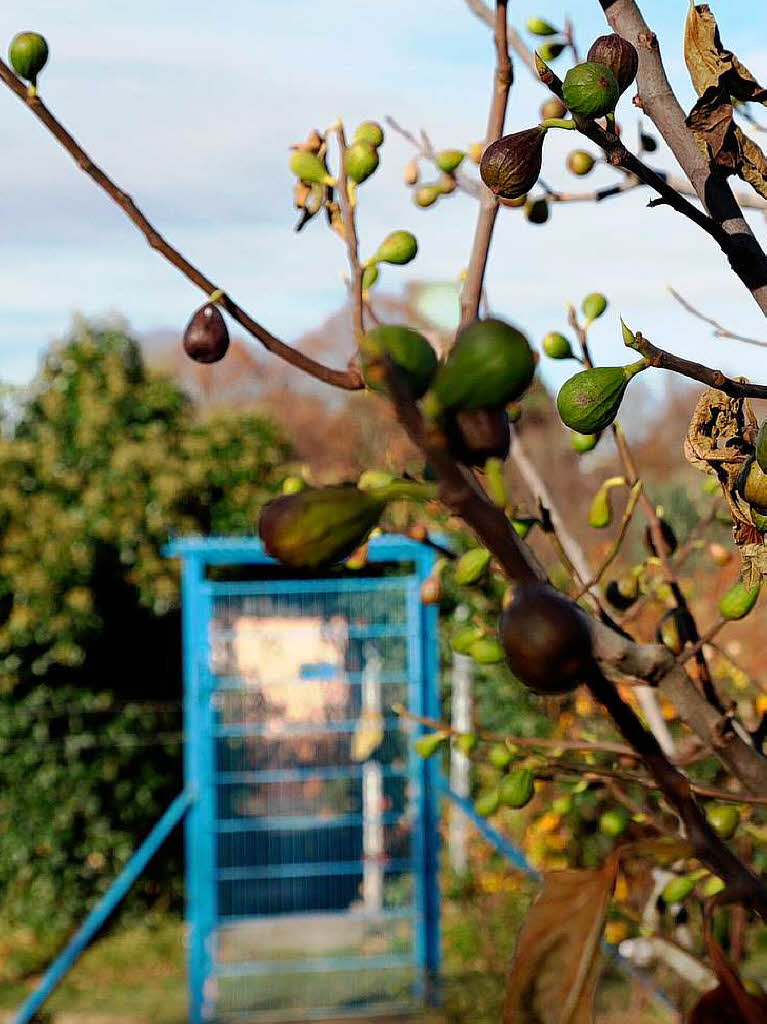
312,840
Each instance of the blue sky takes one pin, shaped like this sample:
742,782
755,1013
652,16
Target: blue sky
192,112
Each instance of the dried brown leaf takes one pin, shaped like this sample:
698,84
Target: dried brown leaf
710,64
554,975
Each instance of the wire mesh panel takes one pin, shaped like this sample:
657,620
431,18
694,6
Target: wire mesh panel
312,877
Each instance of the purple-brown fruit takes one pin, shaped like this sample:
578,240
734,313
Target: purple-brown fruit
476,435
619,55
206,337
510,166
546,639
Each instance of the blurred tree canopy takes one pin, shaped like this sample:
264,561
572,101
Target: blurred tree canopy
103,463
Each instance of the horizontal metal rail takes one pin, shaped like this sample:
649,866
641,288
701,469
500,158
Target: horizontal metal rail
290,823
309,870
268,588
314,965
341,726
270,776
316,917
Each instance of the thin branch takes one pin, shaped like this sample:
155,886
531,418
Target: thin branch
349,380
616,545
465,183
705,639
350,231
471,293
719,330
484,13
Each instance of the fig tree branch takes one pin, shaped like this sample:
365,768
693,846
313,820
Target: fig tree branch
349,380
350,230
484,13
471,293
719,330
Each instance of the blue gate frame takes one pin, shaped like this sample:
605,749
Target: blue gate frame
198,596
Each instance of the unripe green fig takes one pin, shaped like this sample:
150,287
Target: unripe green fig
517,788
589,401
374,478
601,511
668,538
399,247
536,211
426,195
319,526
361,160
28,54
553,108
467,743
403,350
487,804
758,519
619,55
675,629
429,744
486,651
590,90
471,566
510,166
556,346
476,435
712,886
584,442
310,168
761,447
449,160
369,276
540,27
464,637
490,364
679,888
593,306
293,485
752,484
546,639
550,51
738,601
724,819
613,822
499,756
523,525
370,132
206,338
579,162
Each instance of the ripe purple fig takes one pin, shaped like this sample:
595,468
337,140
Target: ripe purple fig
510,166
206,338
619,55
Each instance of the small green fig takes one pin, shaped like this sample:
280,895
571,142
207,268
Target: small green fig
553,109
590,90
589,401
467,743
28,54
476,435
738,601
510,166
370,132
372,479
550,51
523,525
429,744
499,756
546,639
361,160
471,566
593,306
318,526
614,822
758,519
556,346
584,442
426,196
310,168
399,247
761,447
619,55
293,484
679,888
601,512
206,338
724,819
517,788
675,629
540,27
369,276
752,484
490,364
464,637
487,804
486,651
712,886
536,211
579,162
406,351
449,160
668,538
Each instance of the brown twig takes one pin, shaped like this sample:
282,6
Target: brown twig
350,230
425,150
705,639
484,13
616,545
349,380
471,293
719,330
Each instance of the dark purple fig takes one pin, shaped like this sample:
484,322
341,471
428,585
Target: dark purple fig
510,166
476,435
619,55
546,639
206,337
669,540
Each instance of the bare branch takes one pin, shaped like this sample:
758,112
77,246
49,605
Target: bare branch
719,330
350,230
484,13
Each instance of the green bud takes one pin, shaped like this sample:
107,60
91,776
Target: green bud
584,442
539,27
361,160
593,306
499,756
370,132
409,353
429,744
318,526
426,195
517,788
487,804
590,90
600,512
724,819
399,247
556,346
712,886
523,525
310,168
589,401
28,54
550,51
369,276
471,566
614,822
293,485
738,601
467,743
679,888
449,160
374,478
579,162
486,651
464,637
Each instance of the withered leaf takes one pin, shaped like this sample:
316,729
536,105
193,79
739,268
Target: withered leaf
728,1003
710,64
553,977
